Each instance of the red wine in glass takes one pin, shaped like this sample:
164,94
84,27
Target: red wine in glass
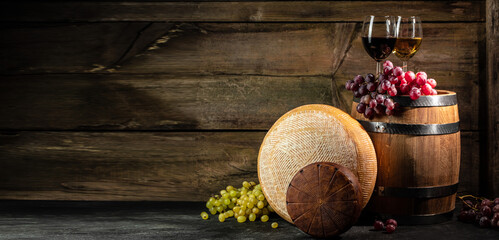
378,38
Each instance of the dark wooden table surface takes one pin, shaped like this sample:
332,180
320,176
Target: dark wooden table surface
178,220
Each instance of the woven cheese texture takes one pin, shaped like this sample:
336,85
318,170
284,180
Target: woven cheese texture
308,134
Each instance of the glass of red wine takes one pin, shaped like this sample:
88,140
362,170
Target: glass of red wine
378,38
409,33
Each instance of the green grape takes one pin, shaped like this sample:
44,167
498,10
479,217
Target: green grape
231,205
236,209
221,217
260,204
239,201
226,215
231,213
270,208
256,193
252,195
243,207
258,187
255,210
226,195
217,203
241,212
222,192
250,205
246,184
204,215
233,193
261,197
249,193
274,225
254,201
212,200
265,211
233,200
220,209
209,205
252,217
226,201
236,215
244,191
248,211
213,211
253,183
229,188
241,219
264,218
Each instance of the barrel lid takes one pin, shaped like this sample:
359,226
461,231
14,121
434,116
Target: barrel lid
310,134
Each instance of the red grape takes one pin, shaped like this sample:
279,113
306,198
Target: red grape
354,87
486,202
373,103
421,80
426,89
348,84
486,211
363,90
385,85
405,88
390,228
484,222
415,93
389,104
402,80
496,201
361,108
388,70
394,80
392,91
380,98
389,112
365,99
371,86
467,205
369,113
434,92
387,63
397,71
392,222
380,89
379,109
496,208
432,82
359,79
357,94
409,76
378,225
421,73
370,77
463,216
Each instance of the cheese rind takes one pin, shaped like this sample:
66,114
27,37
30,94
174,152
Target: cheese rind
308,134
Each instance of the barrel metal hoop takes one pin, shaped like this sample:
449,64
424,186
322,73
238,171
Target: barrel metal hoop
424,101
420,219
416,192
410,129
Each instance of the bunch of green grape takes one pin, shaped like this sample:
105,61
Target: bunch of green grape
244,203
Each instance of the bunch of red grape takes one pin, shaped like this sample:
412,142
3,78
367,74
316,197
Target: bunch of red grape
375,93
485,213
389,226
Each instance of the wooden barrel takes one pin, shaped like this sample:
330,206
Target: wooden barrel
418,152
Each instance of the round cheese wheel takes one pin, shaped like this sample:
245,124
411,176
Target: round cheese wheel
309,134
324,199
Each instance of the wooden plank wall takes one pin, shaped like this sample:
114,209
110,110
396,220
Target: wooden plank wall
171,100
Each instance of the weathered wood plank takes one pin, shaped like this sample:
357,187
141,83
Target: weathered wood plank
142,165
469,177
147,102
269,49
490,164
449,53
78,47
257,11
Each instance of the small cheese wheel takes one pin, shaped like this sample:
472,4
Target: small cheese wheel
324,199
309,134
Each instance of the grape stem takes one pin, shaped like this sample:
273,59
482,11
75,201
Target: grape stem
470,196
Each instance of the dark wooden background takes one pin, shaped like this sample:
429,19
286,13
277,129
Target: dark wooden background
171,100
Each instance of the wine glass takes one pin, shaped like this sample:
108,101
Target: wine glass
409,34
378,38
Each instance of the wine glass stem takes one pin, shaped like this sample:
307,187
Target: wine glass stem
378,68
404,66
